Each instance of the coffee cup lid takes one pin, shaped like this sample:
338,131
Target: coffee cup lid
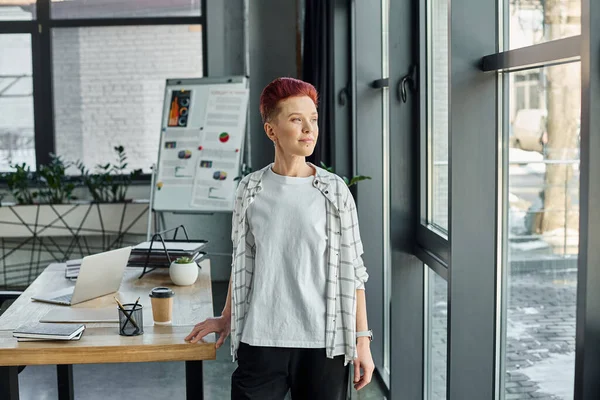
161,293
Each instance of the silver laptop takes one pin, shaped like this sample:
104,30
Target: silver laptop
99,274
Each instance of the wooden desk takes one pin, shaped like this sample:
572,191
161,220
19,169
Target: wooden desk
101,342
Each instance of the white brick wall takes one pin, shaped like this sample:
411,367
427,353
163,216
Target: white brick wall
109,87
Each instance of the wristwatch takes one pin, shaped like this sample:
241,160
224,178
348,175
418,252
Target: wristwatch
368,333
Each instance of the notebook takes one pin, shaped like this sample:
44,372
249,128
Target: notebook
47,331
27,339
160,259
173,247
81,315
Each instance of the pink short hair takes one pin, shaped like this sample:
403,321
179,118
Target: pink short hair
280,89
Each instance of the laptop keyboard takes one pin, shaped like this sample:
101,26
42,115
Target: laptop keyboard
65,299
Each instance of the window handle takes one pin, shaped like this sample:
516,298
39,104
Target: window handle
342,97
380,83
408,79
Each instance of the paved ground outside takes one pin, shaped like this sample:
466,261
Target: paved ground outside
540,345
540,353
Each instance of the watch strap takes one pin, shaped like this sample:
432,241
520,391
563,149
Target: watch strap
368,333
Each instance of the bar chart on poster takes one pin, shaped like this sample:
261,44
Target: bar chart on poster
201,144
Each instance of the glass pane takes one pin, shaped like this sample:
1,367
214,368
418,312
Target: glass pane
17,10
437,336
438,113
77,9
109,86
387,274
542,239
520,97
536,21
534,97
16,102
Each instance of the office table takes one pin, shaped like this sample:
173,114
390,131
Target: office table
101,343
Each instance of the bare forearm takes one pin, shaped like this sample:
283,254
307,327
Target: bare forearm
361,311
227,309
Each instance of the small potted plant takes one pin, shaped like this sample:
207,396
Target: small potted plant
183,271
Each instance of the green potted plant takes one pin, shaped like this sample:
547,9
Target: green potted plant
55,186
183,271
109,183
20,182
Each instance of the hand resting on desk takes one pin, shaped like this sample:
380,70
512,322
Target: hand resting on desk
220,325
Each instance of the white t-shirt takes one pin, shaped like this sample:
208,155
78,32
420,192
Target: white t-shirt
287,221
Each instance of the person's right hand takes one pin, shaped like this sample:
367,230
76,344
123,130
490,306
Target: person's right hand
220,325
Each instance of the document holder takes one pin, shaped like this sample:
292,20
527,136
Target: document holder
158,254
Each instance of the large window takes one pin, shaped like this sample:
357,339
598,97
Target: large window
79,77
437,113
79,9
542,241
17,10
436,331
109,87
387,271
540,207
433,230
16,101
520,260
535,21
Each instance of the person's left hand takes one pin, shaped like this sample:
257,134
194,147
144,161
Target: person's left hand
364,361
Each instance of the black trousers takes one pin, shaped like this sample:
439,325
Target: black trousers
267,373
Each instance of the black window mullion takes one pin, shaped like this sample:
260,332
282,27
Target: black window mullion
544,54
17,26
436,244
473,203
587,347
42,86
136,21
204,41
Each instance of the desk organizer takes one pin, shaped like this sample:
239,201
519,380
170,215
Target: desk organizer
158,254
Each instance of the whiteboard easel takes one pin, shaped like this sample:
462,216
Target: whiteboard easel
201,148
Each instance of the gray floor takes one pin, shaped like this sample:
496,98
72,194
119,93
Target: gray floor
146,380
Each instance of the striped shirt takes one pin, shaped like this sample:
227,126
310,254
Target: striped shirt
345,269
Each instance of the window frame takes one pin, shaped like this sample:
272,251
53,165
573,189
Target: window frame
40,30
430,236
471,258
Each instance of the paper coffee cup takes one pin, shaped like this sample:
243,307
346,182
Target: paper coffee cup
162,305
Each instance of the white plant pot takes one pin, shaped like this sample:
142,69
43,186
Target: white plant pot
183,274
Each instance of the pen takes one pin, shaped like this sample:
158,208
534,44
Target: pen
129,316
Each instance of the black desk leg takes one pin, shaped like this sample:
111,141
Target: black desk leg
9,383
64,375
194,382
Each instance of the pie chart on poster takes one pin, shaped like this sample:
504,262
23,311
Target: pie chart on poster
220,175
184,154
224,137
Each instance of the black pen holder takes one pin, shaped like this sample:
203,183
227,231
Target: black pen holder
131,322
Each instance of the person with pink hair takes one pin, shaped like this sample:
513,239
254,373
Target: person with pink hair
296,307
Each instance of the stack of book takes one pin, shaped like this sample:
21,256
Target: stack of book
72,270
36,332
158,255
